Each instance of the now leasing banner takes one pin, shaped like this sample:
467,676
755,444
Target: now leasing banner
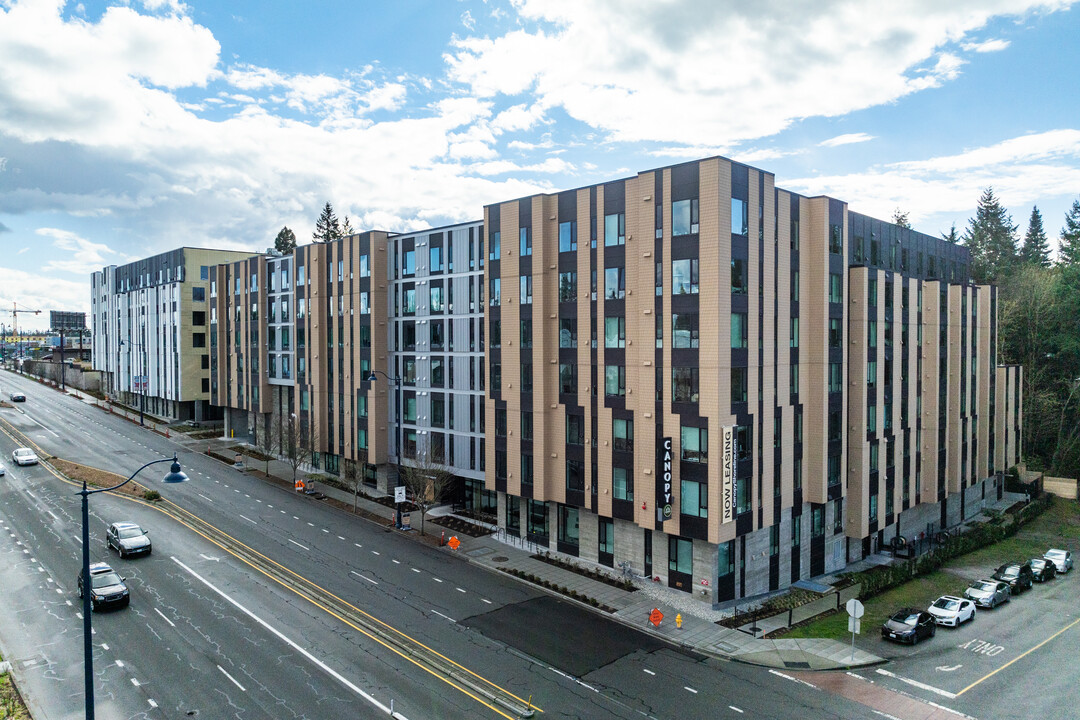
728,487
663,485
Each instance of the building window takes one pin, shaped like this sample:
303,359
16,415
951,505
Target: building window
538,518
738,384
874,449
526,377
615,229
838,516
615,380
409,265
740,218
493,249
198,294
834,470
871,373
817,522
684,277
739,284
496,291
622,484
435,259
567,236
836,333
568,525
871,333
568,332
694,443
622,432
871,418
774,540
836,377
526,290
684,217
525,241
575,430
684,384
614,283
836,240
526,335
615,332
681,555
793,380
794,340
836,288
739,331
567,286
694,499
568,378
606,536
684,328
872,514
575,476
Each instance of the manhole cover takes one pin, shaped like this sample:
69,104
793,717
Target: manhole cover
499,558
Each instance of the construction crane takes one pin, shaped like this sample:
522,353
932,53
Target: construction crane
15,310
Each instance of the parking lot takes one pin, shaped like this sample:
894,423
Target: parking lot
1021,652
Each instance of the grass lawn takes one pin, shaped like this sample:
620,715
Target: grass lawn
1059,526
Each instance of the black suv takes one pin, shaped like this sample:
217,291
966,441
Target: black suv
1018,575
107,588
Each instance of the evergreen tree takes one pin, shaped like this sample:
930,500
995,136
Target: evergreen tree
991,237
346,228
326,227
951,236
1035,249
900,219
1070,237
285,241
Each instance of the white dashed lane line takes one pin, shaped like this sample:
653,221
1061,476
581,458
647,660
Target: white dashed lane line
248,519
231,678
690,689
298,544
650,672
362,577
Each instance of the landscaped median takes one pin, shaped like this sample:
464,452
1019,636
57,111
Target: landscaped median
11,704
885,591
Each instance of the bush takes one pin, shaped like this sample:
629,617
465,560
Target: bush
151,495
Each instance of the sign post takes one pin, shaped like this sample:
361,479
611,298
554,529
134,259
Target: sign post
855,611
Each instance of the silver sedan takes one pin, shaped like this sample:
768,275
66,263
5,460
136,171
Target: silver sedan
988,593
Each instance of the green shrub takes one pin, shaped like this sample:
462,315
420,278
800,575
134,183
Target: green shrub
151,495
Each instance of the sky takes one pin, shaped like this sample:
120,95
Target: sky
131,128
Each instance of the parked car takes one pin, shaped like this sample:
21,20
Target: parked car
24,456
1062,559
17,397
988,593
3,470
909,626
952,611
1043,569
1018,575
128,539
107,588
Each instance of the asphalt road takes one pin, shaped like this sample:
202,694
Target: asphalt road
209,634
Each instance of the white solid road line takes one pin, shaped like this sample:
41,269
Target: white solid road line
248,519
298,544
363,577
204,497
444,616
165,618
223,672
916,683
736,709
326,668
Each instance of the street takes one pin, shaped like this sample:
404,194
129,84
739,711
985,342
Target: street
219,635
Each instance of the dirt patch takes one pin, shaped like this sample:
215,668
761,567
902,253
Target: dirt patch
100,478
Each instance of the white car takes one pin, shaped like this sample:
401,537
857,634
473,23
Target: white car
3,470
1062,559
24,456
951,611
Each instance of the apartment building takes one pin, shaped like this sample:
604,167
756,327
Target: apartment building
390,354
731,386
253,344
149,331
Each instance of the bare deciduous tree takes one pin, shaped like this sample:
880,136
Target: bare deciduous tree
267,440
298,442
427,481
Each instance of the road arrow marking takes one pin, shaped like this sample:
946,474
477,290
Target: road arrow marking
944,668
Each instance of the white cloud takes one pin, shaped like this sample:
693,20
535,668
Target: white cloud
987,46
468,20
1021,170
848,139
682,71
80,256
28,290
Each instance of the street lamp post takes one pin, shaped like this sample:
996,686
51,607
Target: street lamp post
175,475
397,438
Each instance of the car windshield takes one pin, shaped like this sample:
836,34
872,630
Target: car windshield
946,604
906,618
1056,554
1011,571
105,580
128,533
988,587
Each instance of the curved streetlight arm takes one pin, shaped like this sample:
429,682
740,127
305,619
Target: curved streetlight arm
175,469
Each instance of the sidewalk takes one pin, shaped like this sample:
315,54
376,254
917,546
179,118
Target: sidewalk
699,632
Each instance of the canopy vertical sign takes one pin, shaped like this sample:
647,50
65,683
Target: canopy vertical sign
727,476
663,486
